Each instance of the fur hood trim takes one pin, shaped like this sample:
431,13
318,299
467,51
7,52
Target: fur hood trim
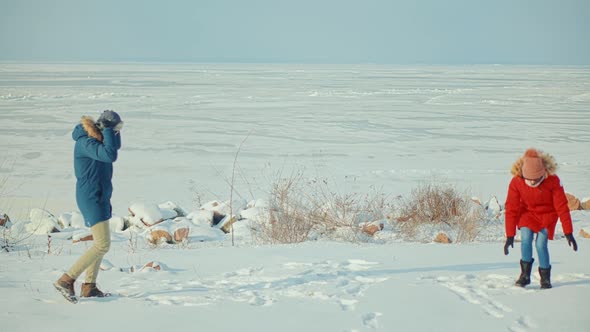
90,127
548,161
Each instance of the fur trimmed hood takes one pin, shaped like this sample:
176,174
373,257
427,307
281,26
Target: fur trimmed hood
548,161
88,127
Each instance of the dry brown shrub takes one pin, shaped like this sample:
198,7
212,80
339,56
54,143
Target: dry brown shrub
440,205
345,215
291,214
300,209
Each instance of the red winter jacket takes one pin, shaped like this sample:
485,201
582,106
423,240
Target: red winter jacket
539,207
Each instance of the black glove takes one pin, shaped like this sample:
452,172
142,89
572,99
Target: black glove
509,242
571,241
108,119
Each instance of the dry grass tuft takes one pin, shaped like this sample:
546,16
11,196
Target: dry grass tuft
440,205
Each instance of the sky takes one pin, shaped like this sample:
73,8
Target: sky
551,32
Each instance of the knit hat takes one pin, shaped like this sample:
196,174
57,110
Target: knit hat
108,119
532,165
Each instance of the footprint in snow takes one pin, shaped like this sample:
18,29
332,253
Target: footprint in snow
243,272
522,324
358,265
476,290
347,305
370,320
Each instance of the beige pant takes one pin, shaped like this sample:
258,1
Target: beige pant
90,261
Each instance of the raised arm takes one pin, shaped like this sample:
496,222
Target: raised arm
105,151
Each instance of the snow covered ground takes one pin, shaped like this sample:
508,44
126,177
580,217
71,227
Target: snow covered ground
314,286
357,128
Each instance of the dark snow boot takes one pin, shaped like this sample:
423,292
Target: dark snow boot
65,285
525,273
90,290
545,277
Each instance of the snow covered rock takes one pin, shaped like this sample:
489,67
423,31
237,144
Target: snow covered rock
180,228
181,234
372,227
71,219
573,203
65,219
494,204
173,206
205,234
4,220
77,220
159,235
243,230
42,222
226,223
82,235
168,213
201,217
170,231
223,209
148,214
150,266
255,213
116,224
442,238
259,203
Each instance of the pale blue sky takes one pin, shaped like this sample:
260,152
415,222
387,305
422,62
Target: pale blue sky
298,31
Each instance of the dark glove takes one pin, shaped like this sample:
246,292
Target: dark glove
509,242
571,241
108,119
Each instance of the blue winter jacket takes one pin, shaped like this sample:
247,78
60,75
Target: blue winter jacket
93,165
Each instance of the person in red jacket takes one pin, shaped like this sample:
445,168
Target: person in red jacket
535,200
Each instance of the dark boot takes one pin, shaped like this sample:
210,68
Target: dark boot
65,285
525,273
90,290
545,277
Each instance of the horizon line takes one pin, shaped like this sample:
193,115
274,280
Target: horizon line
192,62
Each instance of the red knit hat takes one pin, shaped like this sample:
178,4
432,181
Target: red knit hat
532,165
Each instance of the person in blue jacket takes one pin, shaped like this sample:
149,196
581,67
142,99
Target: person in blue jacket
95,151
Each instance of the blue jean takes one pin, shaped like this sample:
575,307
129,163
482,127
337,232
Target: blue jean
526,246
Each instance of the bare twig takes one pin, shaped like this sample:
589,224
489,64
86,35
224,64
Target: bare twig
232,186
